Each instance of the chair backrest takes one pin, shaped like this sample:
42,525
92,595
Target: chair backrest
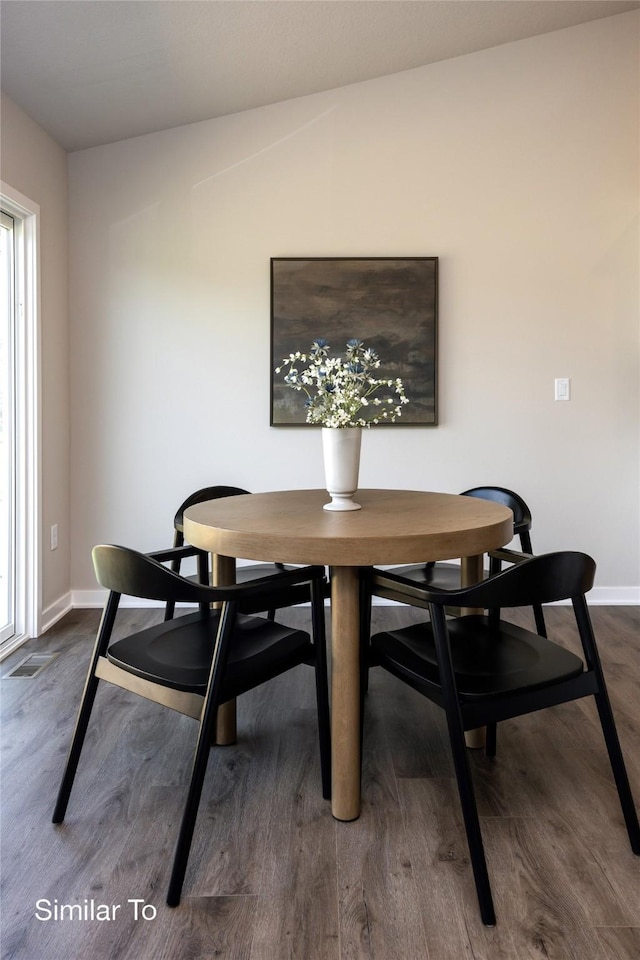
126,571
206,493
520,510
546,578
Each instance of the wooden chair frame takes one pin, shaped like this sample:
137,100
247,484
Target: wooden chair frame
124,571
541,579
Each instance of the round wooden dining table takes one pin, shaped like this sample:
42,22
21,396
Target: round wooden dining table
393,527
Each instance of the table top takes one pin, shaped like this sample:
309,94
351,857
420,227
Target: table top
394,526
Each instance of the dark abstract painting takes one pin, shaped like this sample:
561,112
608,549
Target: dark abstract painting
389,303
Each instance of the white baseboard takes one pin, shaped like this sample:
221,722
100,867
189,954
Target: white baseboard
87,599
55,611
50,615
80,599
598,597
614,596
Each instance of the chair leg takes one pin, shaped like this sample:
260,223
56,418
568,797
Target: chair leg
170,607
541,628
75,750
365,627
462,768
607,723
271,614
619,770
365,646
525,546
86,706
201,756
471,822
203,577
322,685
190,813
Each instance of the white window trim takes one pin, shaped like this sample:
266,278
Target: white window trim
26,214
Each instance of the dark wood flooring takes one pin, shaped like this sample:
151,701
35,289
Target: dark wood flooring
272,876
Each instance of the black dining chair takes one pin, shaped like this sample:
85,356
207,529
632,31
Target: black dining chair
481,669
244,574
446,576
194,663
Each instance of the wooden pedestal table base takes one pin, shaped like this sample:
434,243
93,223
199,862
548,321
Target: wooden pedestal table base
345,679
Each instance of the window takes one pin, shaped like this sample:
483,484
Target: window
19,422
7,429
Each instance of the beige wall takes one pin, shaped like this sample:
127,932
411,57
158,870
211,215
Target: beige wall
517,166
34,165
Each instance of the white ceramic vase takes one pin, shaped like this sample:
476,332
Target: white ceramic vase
341,448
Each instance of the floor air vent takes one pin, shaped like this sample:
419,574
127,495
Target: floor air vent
32,665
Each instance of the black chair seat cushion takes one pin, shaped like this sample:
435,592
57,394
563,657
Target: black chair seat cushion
442,576
254,571
177,653
487,660
257,571
250,571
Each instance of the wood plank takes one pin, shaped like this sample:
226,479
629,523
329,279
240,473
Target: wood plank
619,943
272,875
441,866
535,899
230,844
378,897
296,914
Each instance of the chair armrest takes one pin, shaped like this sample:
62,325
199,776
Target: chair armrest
123,570
392,586
509,556
175,553
282,588
543,578
290,585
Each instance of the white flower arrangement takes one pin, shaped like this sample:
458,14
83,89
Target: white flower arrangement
342,392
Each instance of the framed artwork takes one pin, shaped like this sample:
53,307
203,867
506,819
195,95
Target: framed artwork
390,303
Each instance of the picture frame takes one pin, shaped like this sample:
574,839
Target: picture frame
390,303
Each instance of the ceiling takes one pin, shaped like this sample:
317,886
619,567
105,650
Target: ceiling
95,71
